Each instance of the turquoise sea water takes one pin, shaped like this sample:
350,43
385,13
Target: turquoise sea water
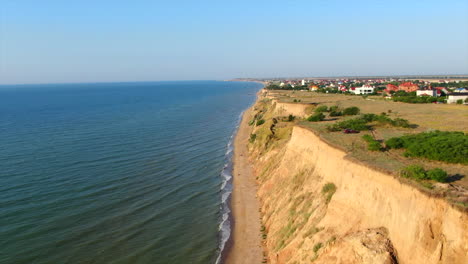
117,172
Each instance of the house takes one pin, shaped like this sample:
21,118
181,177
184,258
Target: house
454,97
303,82
390,88
428,92
461,90
313,88
441,90
365,89
342,88
408,87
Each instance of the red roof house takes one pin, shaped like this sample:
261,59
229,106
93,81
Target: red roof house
408,87
391,87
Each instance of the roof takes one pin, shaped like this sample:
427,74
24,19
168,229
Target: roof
408,84
461,94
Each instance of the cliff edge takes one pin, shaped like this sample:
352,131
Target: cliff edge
319,206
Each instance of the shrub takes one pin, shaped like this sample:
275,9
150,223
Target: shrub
353,110
317,247
291,118
368,138
413,99
333,108
445,146
460,101
415,172
328,190
372,144
355,124
336,113
394,143
437,174
316,117
295,100
260,122
252,138
321,109
400,122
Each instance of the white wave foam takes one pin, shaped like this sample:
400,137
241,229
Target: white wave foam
226,190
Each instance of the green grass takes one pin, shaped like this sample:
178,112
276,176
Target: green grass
317,247
328,190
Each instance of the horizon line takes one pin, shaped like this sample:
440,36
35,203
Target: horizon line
247,78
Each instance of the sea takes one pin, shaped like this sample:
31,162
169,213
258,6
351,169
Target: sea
135,172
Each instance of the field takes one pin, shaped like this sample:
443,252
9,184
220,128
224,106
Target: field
427,116
423,117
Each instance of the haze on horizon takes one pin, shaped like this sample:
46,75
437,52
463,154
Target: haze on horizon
99,41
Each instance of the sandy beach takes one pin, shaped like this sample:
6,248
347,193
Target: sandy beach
245,242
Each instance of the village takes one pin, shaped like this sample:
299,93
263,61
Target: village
404,90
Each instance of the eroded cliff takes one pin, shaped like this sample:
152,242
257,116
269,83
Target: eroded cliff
318,205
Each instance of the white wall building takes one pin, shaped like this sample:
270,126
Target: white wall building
303,82
454,97
426,92
365,89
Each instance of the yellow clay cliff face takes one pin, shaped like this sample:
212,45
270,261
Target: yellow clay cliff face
318,206
296,109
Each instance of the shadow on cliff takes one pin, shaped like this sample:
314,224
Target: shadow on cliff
455,177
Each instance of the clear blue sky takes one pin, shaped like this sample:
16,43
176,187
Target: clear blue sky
92,41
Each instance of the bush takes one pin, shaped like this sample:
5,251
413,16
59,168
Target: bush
252,138
437,174
449,147
368,138
414,172
291,118
328,190
260,122
317,247
372,144
336,113
353,110
413,99
384,119
395,143
321,109
460,101
333,108
355,124
316,117
400,122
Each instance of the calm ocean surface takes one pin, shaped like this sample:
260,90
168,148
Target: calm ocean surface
117,172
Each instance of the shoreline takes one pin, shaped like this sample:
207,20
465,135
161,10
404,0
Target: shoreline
245,243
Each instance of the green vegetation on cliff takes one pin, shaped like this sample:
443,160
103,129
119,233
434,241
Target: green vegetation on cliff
444,146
